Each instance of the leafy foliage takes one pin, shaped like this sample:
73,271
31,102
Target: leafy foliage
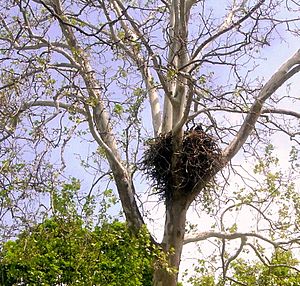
60,251
280,271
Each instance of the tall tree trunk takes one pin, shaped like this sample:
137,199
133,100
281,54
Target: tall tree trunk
176,209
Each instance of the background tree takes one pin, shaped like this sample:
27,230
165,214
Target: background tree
80,73
279,270
64,251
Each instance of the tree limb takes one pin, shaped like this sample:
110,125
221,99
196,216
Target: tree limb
100,126
235,255
231,236
226,26
51,104
139,60
286,71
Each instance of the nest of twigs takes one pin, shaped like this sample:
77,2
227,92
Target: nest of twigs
197,161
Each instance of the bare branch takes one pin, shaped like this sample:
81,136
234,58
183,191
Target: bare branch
154,57
51,104
286,71
235,255
281,111
235,110
140,61
227,26
185,116
267,263
231,236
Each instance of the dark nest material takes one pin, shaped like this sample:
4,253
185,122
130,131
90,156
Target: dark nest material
198,160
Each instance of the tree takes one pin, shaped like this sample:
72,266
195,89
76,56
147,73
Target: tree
65,250
278,271
83,71
60,252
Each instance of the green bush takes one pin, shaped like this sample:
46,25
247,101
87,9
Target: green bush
64,252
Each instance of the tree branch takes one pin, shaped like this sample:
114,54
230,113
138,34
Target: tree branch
235,110
286,71
139,60
231,236
153,56
235,255
50,103
187,108
226,26
100,126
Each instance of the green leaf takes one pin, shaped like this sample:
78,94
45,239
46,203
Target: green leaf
118,109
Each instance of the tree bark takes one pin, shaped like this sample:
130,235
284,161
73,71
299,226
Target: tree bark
172,243
99,124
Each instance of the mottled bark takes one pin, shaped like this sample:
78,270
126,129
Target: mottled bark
172,241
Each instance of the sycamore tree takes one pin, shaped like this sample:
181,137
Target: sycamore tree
161,101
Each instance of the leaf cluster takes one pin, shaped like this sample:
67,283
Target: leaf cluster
280,271
59,252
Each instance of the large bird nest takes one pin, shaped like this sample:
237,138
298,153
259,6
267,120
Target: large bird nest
198,159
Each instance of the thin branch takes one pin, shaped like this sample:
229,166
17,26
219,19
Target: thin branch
155,58
140,62
236,281
286,71
224,29
236,254
243,111
50,103
267,264
231,236
16,80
